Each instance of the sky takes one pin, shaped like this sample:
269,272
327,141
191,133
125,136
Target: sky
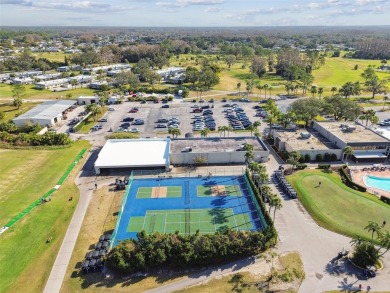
194,13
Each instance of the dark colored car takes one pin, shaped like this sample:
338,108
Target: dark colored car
128,119
197,110
165,106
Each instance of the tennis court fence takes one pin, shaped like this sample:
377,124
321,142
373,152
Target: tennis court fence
131,177
191,171
254,200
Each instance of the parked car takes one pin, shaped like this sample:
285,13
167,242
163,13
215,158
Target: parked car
211,101
111,109
165,106
143,102
103,120
162,120
128,119
134,130
133,110
138,122
197,110
161,126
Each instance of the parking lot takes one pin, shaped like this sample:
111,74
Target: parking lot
151,112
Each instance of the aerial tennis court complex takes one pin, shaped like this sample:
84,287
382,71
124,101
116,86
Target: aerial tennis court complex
186,205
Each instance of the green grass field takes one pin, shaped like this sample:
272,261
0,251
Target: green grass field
52,56
24,251
10,111
34,94
189,221
335,206
25,175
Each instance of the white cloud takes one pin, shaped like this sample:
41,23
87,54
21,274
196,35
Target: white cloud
212,9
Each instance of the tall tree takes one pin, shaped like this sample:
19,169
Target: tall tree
374,228
258,66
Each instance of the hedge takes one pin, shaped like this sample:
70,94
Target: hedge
301,166
324,166
385,199
348,181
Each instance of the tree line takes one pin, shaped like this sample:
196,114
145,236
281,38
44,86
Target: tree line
27,136
156,250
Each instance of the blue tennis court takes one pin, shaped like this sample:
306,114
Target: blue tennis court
188,204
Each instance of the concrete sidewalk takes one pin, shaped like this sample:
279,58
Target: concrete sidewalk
60,266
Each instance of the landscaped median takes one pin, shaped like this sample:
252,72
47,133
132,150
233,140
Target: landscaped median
335,206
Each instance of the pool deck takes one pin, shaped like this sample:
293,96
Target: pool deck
358,177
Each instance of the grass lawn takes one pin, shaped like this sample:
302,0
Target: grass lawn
33,94
336,207
24,251
11,112
52,56
25,175
256,282
90,122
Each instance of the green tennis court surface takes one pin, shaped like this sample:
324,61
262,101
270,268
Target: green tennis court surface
189,221
159,192
218,190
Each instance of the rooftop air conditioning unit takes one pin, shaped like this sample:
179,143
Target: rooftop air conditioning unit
305,135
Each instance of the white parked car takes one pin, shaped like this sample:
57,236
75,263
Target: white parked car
111,109
133,130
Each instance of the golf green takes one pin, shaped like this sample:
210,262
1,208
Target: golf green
335,206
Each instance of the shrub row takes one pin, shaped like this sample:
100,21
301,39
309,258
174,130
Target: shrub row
348,181
324,166
301,166
24,139
385,199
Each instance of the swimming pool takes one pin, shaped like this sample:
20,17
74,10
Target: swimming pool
378,182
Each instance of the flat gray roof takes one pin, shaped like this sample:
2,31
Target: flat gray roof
215,144
46,110
359,135
315,141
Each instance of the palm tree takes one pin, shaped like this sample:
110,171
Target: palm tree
265,190
253,166
347,152
265,90
385,99
272,201
223,129
174,131
249,156
385,242
320,91
270,91
313,90
256,124
277,205
239,88
248,147
204,132
294,158
251,128
258,87
229,129
374,227
333,90
74,83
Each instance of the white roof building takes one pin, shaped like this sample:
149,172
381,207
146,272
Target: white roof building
134,153
47,113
